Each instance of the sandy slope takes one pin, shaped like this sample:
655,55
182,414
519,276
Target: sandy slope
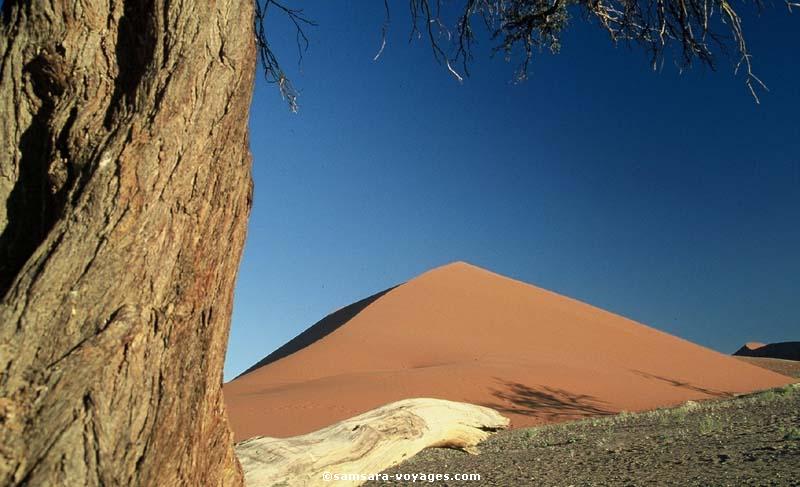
462,333
790,368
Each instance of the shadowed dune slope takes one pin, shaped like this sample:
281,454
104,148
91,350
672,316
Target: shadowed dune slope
780,350
319,330
462,333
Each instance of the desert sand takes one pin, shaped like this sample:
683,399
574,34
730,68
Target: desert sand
462,333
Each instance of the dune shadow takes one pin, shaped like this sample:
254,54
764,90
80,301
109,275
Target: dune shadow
683,385
549,403
317,331
781,350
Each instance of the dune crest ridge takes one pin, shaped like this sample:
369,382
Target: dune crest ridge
463,333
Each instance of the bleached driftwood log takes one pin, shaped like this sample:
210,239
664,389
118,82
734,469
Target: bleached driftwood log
366,444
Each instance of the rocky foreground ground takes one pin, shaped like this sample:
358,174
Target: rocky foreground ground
747,440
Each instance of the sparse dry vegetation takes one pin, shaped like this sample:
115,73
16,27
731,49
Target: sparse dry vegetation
751,439
792,435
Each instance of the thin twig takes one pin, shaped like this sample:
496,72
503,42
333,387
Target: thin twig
273,72
384,30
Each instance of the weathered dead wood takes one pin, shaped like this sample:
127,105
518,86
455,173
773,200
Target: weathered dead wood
366,444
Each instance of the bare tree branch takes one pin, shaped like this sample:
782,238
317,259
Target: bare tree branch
272,69
688,30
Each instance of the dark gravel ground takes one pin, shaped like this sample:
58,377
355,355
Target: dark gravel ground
748,440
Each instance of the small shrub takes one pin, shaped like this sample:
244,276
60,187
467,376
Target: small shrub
792,435
709,424
769,396
622,417
689,406
575,438
788,389
529,434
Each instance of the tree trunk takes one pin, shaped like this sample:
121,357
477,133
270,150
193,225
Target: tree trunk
125,178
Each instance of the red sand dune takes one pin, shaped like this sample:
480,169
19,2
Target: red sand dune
462,333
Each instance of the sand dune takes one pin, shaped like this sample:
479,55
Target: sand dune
779,350
462,333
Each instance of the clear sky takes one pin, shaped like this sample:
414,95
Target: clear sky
672,199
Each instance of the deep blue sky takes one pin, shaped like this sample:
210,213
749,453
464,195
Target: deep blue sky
671,199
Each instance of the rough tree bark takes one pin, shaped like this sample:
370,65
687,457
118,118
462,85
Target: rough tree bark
124,195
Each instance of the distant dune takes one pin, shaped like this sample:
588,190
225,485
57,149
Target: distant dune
462,333
781,350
